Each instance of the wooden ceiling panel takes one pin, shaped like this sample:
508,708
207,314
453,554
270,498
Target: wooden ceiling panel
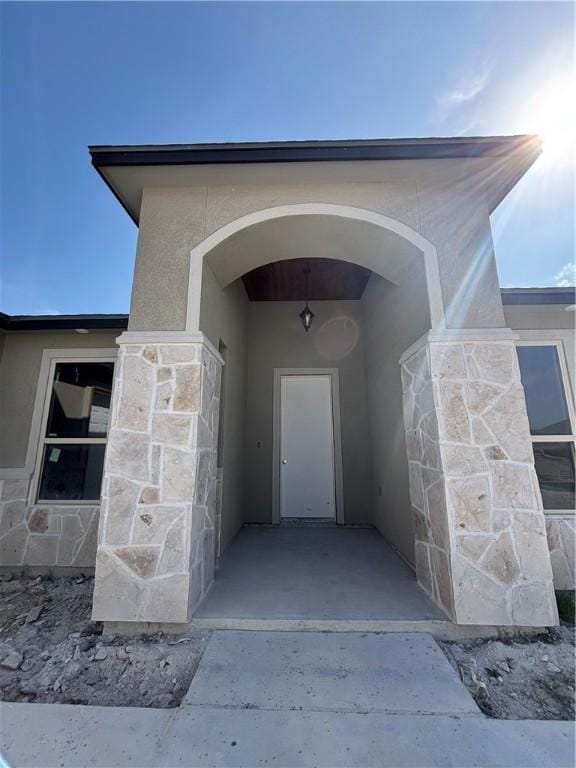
329,279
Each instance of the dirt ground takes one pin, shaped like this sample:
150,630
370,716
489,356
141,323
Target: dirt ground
61,656
528,678
50,651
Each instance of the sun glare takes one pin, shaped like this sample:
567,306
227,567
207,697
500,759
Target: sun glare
552,115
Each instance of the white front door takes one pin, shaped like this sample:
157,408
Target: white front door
307,487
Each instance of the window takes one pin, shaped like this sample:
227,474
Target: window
551,424
74,431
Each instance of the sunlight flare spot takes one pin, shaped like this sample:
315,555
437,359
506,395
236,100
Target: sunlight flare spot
551,113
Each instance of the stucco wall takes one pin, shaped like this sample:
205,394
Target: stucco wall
394,316
224,315
19,371
457,222
436,203
277,340
171,224
539,316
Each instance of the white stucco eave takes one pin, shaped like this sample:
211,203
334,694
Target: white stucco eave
492,171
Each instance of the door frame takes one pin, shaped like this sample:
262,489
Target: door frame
337,432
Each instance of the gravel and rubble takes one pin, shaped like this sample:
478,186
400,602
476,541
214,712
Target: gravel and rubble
520,678
50,650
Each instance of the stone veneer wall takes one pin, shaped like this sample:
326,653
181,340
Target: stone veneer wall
480,536
44,536
562,545
156,539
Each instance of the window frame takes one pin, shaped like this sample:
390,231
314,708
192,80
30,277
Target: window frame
554,341
49,363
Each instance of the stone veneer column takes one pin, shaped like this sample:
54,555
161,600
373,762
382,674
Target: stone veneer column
480,537
156,540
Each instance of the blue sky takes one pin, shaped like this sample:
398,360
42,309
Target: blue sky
74,74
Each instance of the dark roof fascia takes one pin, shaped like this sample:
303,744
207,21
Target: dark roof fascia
12,323
542,296
309,151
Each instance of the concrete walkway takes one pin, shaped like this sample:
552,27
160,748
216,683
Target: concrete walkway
339,672
295,699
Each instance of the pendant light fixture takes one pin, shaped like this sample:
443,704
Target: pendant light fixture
306,315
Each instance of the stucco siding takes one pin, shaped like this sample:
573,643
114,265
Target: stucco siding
393,318
452,216
223,317
395,199
539,316
171,224
277,340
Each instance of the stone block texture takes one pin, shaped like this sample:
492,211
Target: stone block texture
480,535
562,545
44,536
156,539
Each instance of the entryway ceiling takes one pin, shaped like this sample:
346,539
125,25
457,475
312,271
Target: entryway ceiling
329,279
311,238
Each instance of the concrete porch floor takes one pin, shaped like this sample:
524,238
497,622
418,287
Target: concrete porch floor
315,574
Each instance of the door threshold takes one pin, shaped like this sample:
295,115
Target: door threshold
307,522
441,629
298,522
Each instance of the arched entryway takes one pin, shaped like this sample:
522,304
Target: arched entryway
368,238
204,226
355,341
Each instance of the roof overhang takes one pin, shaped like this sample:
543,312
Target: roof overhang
565,295
14,323
127,170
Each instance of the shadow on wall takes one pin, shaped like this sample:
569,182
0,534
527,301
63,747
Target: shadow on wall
394,317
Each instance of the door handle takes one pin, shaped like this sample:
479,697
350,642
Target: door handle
284,461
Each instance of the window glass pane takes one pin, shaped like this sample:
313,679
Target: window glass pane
71,472
545,398
555,469
80,402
